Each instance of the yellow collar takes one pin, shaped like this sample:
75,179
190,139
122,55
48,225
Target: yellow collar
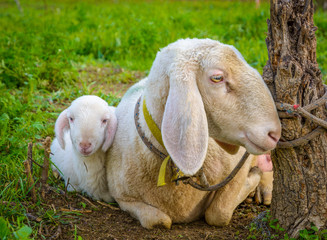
152,125
157,134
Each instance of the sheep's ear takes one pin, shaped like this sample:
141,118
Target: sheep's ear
110,131
62,125
184,125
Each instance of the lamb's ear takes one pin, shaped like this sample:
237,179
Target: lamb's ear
110,131
62,125
184,125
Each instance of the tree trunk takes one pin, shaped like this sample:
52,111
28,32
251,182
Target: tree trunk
293,77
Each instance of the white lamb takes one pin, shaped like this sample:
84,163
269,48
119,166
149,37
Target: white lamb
84,132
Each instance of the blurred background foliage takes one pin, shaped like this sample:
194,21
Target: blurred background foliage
40,46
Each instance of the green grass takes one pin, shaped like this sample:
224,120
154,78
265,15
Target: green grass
265,227
48,56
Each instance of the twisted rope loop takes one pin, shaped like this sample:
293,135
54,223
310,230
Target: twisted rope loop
290,111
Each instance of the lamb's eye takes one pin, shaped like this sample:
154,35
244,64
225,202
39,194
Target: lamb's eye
104,121
217,78
71,119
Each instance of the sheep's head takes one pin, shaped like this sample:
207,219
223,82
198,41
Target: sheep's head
239,107
92,124
213,92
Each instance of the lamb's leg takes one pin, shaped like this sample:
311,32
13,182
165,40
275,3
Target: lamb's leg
220,211
148,216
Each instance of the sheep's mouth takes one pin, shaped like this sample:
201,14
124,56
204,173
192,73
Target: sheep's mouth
254,145
85,152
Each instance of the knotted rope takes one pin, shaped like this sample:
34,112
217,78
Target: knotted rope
289,111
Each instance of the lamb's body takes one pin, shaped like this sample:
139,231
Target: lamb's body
183,107
91,124
85,174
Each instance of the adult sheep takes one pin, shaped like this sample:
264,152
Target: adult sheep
197,91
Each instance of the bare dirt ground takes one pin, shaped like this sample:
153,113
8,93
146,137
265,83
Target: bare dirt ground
81,216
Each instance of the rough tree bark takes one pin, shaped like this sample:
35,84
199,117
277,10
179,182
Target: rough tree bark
293,76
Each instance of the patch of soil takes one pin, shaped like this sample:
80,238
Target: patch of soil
93,220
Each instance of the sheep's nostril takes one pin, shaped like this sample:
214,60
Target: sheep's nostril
274,136
85,145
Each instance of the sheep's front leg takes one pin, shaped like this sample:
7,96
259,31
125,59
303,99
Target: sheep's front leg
148,216
263,193
220,211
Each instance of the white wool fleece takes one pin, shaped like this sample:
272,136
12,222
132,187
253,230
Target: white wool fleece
84,132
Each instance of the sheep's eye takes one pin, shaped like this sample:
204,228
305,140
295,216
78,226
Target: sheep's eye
217,78
71,119
104,121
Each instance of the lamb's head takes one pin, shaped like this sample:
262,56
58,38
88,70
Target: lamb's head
213,92
91,122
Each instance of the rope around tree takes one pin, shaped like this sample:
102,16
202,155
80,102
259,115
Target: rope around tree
290,111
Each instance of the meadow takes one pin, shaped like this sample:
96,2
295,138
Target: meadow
56,51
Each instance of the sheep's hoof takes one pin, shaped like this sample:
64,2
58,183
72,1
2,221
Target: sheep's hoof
149,217
158,221
258,198
249,200
251,195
